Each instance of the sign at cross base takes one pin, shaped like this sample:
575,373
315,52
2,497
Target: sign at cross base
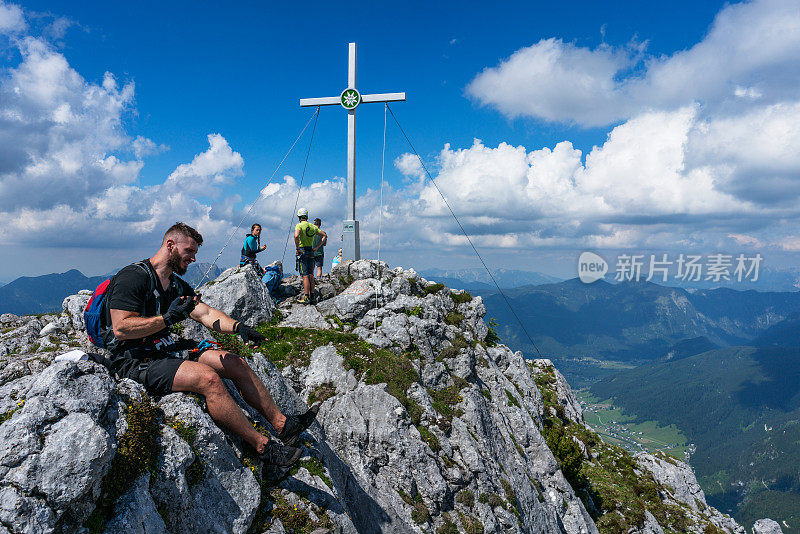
350,99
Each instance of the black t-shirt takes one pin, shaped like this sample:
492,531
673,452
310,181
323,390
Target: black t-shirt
133,289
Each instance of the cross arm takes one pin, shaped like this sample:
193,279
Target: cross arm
383,97
324,101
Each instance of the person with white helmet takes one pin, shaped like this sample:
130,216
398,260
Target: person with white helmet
304,233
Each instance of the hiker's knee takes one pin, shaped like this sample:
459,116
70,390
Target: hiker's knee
209,381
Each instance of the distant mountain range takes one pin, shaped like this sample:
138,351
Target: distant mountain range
769,279
578,324
480,279
741,407
29,295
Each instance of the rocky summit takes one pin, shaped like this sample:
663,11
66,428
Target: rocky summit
426,424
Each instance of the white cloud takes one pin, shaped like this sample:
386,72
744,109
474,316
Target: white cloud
749,54
12,20
410,166
63,166
58,132
143,147
215,167
742,239
138,213
662,179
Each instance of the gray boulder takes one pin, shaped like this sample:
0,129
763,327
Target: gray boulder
677,476
240,293
56,448
73,307
566,397
223,495
299,315
767,526
682,487
136,513
361,296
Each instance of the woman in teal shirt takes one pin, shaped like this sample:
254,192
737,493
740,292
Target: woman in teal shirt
252,246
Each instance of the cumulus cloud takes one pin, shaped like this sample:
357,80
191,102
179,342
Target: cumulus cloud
69,169
12,20
215,167
409,165
139,213
276,208
58,132
661,179
748,55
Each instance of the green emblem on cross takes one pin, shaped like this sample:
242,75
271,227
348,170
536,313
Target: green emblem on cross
350,99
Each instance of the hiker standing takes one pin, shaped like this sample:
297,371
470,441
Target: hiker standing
304,233
144,300
319,251
252,246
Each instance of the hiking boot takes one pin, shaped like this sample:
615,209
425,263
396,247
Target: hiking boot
279,455
296,424
304,300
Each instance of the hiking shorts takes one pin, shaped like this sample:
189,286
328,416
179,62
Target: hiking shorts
155,373
305,262
319,260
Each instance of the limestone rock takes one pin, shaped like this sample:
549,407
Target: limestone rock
240,293
767,526
432,427
300,315
136,513
650,525
225,497
74,305
56,448
680,481
566,397
676,475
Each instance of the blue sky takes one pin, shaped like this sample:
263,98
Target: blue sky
643,95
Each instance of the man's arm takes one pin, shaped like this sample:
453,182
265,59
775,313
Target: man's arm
220,322
323,241
297,238
129,325
213,318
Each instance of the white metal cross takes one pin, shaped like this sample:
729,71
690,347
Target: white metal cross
349,100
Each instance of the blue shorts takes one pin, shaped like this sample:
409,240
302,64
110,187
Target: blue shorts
318,260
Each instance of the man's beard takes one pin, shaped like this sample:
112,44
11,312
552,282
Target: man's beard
174,263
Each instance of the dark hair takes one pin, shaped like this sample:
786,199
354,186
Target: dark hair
317,222
254,227
185,230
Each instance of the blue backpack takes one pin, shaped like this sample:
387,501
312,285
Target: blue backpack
272,278
94,313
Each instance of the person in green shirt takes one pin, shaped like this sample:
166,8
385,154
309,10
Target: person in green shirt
304,233
319,247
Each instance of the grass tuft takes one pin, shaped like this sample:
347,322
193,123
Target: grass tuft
137,453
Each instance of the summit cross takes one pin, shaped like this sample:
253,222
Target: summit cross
350,99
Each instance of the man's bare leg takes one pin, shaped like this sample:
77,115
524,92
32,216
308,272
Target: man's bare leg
253,391
308,285
203,379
